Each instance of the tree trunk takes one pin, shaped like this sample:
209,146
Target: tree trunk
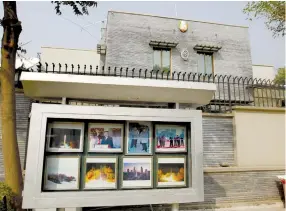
11,31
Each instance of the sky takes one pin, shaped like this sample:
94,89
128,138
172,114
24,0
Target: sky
42,27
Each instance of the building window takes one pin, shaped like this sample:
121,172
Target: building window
162,59
205,63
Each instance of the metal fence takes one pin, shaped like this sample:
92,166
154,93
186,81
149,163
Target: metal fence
231,90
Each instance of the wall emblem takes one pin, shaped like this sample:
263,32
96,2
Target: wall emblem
183,26
185,54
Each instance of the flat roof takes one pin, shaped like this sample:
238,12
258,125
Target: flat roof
157,16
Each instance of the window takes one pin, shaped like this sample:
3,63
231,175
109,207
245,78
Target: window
162,59
205,63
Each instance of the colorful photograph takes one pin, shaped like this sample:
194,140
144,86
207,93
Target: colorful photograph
62,173
65,137
171,172
139,138
170,138
105,137
137,172
100,173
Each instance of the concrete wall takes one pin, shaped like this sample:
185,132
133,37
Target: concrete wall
69,56
260,136
263,71
128,36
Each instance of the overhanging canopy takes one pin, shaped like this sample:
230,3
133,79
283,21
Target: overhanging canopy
162,44
48,85
207,48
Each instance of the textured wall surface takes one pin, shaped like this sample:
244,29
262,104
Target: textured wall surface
128,37
222,189
218,141
23,105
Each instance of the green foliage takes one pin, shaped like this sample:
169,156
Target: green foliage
5,190
79,7
164,69
272,11
280,77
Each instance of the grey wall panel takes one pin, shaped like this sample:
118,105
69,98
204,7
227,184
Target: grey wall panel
224,189
23,106
218,141
128,37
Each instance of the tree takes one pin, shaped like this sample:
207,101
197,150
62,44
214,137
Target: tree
272,11
11,32
280,77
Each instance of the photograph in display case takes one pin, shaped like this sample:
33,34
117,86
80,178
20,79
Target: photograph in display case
62,173
100,173
65,137
139,138
171,171
170,138
105,137
137,172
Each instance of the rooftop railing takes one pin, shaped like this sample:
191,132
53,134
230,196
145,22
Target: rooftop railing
231,90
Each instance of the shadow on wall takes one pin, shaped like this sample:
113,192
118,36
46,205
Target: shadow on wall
212,191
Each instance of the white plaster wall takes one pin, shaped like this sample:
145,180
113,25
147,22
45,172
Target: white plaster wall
260,137
69,56
264,72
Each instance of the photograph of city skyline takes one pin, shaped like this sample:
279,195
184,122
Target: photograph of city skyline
136,171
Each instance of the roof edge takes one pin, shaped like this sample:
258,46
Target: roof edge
74,49
262,65
157,16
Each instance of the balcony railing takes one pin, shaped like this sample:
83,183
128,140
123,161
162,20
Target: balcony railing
231,90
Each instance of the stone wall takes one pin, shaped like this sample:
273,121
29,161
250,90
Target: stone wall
128,37
218,141
223,189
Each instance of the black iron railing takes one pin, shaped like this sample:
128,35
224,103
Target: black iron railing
231,90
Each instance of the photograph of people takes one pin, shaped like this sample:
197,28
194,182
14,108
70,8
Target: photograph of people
170,138
105,137
139,136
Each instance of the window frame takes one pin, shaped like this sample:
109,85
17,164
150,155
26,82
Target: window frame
212,61
161,49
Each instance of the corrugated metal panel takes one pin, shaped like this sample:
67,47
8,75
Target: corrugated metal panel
23,107
218,141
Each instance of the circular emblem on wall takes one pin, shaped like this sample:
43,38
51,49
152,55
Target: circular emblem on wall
183,26
185,54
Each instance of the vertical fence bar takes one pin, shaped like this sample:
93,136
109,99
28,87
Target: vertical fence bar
261,88
243,87
229,93
219,100
239,97
223,85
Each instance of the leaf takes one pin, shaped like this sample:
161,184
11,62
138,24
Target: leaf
78,7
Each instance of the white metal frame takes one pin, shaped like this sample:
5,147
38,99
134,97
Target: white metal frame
33,197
